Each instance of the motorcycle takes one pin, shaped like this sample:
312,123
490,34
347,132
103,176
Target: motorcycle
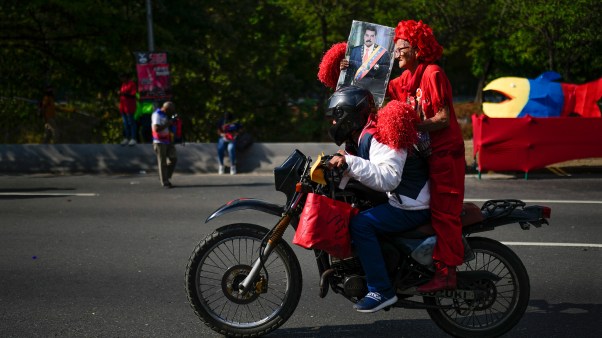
244,280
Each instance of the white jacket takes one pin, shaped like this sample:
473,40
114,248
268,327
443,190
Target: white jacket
383,173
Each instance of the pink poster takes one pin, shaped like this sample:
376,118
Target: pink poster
153,76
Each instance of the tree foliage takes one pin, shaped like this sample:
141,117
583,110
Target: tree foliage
259,59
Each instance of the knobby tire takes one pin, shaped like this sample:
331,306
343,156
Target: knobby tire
218,264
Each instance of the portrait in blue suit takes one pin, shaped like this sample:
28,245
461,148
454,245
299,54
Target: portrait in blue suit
369,64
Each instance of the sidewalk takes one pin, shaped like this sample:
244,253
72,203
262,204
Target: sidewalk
197,158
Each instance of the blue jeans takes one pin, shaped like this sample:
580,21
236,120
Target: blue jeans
129,126
380,220
222,144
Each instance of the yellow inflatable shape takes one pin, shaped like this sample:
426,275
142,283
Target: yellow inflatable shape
317,173
515,89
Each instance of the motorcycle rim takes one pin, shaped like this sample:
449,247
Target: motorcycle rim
221,261
501,303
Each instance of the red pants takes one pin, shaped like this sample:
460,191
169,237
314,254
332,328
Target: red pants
447,195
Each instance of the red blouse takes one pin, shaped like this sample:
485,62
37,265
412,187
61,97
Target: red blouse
434,92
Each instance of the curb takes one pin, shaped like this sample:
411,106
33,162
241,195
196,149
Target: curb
200,158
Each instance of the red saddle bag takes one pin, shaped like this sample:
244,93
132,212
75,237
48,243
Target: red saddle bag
324,225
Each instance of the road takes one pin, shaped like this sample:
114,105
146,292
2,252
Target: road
93,256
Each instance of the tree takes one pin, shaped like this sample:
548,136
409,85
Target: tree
562,35
260,59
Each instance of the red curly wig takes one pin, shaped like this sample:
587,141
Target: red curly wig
396,125
329,69
420,36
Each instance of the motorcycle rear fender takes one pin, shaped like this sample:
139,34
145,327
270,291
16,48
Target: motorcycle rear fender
247,203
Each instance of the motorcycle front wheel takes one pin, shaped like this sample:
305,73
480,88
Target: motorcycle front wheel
221,261
501,302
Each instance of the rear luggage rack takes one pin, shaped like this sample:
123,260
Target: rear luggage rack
494,209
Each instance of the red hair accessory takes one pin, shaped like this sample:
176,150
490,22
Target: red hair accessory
329,69
420,36
396,125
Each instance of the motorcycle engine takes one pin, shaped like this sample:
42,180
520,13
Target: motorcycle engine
347,266
355,286
352,274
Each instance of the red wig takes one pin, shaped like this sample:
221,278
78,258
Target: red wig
396,125
420,36
329,69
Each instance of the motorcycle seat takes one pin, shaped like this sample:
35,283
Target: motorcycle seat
471,214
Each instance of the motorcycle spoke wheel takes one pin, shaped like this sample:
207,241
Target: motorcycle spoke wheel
499,304
221,262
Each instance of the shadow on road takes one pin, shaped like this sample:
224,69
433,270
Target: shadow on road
542,319
379,329
560,318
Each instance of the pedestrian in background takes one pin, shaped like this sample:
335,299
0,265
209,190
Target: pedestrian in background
227,129
48,112
127,109
144,111
163,146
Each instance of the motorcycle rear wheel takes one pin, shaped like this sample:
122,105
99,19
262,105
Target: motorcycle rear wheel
506,299
221,261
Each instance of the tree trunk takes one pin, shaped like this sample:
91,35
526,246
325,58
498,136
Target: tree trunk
479,95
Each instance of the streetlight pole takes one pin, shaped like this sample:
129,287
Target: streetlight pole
149,25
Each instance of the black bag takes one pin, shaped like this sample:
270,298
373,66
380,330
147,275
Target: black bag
243,141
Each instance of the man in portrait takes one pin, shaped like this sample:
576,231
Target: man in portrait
368,64
368,61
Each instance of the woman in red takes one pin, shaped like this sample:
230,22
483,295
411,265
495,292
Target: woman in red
424,85
127,109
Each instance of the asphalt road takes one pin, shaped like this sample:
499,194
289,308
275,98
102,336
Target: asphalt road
105,256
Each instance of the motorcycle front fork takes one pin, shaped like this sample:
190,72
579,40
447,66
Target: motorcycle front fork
275,237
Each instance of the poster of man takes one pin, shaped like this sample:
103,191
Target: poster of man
368,60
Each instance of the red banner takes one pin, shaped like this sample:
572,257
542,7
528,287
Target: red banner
530,143
153,76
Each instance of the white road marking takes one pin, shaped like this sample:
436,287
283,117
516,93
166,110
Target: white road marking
540,201
582,245
47,194
579,245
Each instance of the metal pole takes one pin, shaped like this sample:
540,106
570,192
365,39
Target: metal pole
149,24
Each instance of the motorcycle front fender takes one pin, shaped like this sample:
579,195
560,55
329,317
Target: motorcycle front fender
247,203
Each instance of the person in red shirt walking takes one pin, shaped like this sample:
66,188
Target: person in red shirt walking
127,109
424,85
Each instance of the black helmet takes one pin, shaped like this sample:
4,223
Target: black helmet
350,107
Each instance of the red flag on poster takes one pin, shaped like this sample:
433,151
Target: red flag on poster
153,76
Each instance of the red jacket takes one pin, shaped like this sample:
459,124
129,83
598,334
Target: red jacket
127,98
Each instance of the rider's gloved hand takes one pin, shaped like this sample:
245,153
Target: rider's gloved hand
338,161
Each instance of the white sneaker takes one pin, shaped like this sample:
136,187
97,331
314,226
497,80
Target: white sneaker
124,141
233,170
132,142
220,171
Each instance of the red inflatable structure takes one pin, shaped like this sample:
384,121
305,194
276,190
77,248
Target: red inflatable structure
529,143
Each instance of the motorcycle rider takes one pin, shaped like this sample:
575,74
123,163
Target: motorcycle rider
380,154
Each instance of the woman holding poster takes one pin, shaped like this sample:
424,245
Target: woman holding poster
424,85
